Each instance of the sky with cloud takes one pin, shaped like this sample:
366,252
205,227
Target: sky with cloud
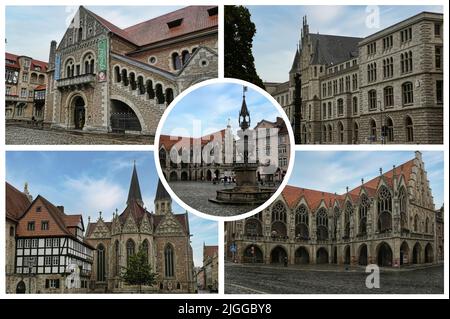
23,23
225,99
278,30
89,182
334,171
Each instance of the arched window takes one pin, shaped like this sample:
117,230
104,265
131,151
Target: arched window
355,132
163,157
347,219
416,223
101,265
388,93
149,89
117,73
427,225
185,56
145,249
125,77
322,224
389,130
330,133
409,129
70,68
407,93
373,130
159,94
176,63
336,217
253,227
324,133
355,105
363,209
141,86
341,132
279,212
80,34
88,62
169,265
133,83
402,204
324,111
301,222
384,210
130,249
116,258
169,95
372,97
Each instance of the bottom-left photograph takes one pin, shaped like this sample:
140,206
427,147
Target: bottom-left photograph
101,222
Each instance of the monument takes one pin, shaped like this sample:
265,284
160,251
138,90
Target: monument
247,190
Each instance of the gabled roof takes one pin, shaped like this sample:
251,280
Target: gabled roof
181,218
13,57
91,226
193,19
292,195
168,141
17,202
333,49
136,211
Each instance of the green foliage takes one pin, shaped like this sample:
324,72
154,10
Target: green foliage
138,271
239,33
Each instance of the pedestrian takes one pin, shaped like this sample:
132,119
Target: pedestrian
285,261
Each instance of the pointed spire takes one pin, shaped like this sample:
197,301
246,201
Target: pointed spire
134,194
244,115
161,192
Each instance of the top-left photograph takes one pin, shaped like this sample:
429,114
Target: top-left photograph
101,75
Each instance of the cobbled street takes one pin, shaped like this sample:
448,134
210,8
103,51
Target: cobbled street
329,279
22,135
196,195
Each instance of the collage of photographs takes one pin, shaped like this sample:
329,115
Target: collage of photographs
225,150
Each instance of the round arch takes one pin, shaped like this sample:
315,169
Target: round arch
417,254
253,254
429,253
21,288
184,176
173,177
301,255
278,255
133,108
362,255
384,255
322,256
404,253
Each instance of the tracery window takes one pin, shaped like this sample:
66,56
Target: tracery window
384,210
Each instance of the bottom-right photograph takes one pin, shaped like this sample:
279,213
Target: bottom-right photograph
349,222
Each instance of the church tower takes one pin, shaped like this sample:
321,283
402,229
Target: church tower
163,201
134,194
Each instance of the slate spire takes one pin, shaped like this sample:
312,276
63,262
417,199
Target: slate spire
161,193
134,194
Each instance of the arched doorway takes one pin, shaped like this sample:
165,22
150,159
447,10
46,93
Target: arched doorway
404,253
335,255
79,116
347,255
123,118
208,175
278,255
428,253
173,176
384,256
21,288
301,256
253,254
322,256
217,174
184,176
362,258
416,254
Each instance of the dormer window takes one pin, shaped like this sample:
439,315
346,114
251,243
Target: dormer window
174,23
213,11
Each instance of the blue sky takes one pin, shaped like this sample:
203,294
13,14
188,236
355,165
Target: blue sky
28,33
213,105
278,30
334,171
89,182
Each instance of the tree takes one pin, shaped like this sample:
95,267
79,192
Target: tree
239,32
139,272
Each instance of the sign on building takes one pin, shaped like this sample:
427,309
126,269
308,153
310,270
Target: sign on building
102,49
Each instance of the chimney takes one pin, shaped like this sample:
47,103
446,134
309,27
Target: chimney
51,57
61,208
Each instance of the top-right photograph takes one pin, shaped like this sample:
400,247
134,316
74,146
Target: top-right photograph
344,74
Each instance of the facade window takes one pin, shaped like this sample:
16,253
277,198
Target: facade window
406,35
384,222
169,261
371,48
409,129
347,83
176,61
355,133
387,42
437,30
340,106
439,91
329,88
373,130
25,77
354,82
324,89
34,243
406,64
372,97
101,263
30,226
44,225
130,249
324,110
372,72
388,68
355,105
55,260
322,224
407,93
388,96
145,249
389,130
301,223
438,57
23,92
55,242
341,132
341,85
363,209
329,110
335,87
48,260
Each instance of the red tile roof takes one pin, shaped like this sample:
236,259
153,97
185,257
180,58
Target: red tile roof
13,57
16,202
292,194
169,141
194,18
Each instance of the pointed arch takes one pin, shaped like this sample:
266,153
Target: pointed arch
101,263
131,249
169,265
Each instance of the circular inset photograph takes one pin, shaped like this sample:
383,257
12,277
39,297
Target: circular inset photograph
224,149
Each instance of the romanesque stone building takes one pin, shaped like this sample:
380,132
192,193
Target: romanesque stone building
384,88
163,235
25,84
104,78
389,220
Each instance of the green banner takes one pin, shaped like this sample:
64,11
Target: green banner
102,55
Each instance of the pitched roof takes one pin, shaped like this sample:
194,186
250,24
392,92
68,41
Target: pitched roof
293,194
17,202
181,218
193,19
134,193
333,49
13,57
91,226
161,192
136,211
296,61
168,141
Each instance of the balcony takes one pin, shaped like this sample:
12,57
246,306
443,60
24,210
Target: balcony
76,81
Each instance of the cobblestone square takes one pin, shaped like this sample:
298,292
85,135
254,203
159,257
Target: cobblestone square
23,135
329,279
196,195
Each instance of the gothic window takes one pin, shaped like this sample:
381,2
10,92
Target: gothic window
409,129
101,266
130,249
124,77
324,111
388,96
389,130
70,68
384,210
145,249
407,93
322,224
363,210
88,64
116,258
427,225
253,227
416,223
335,222
279,212
324,133
372,96
301,222
162,157
169,265
347,217
330,133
